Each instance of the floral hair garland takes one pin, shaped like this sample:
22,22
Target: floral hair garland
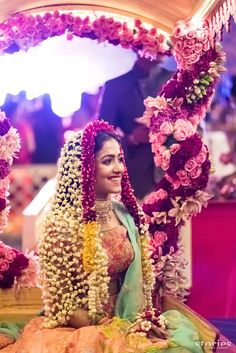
173,118
22,31
9,146
71,254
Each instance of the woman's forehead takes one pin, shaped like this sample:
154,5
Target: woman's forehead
110,146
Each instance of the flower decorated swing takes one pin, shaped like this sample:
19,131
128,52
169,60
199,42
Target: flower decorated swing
173,117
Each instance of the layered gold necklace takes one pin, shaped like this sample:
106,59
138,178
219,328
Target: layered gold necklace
103,209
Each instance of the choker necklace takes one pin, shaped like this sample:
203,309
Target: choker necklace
103,209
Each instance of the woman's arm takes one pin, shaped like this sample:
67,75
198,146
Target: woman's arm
79,318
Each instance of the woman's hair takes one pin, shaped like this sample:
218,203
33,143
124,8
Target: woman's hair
102,137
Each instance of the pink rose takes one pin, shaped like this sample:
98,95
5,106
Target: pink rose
204,38
159,238
201,157
190,165
158,160
178,32
186,182
4,266
166,128
160,138
183,129
193,58
191,34
198,47
196,172
10,255
179,45
165,160
189,43
187,52
174,148
206,46
182,174
175,183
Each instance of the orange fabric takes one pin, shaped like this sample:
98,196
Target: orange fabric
109,338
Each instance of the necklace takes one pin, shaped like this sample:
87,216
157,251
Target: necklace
103,209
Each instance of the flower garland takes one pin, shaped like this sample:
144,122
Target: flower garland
9,146
22,31
71,253
148,320
173,118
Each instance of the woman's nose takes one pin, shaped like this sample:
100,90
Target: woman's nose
118,167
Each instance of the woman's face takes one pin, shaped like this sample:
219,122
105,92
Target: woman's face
109,168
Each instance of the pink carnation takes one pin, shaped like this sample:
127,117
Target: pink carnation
194,119
155,196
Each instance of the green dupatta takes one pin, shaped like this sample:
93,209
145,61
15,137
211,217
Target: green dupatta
130,300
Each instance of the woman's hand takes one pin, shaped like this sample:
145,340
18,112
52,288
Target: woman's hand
159,332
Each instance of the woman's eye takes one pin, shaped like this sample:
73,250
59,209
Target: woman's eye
107,161
121,160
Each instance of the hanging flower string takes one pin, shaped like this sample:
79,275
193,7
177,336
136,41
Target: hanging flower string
9,146
22,31
173,118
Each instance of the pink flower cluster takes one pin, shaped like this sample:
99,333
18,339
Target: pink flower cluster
192,170
190,43
22,31
177,147
29,277
9,145
12,262
179,130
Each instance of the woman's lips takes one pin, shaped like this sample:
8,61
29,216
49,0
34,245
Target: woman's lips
115,178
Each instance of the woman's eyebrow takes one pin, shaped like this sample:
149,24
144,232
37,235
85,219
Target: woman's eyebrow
111,155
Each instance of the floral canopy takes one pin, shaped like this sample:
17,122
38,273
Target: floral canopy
173,117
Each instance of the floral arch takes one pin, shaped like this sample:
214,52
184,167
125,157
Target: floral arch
173,117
